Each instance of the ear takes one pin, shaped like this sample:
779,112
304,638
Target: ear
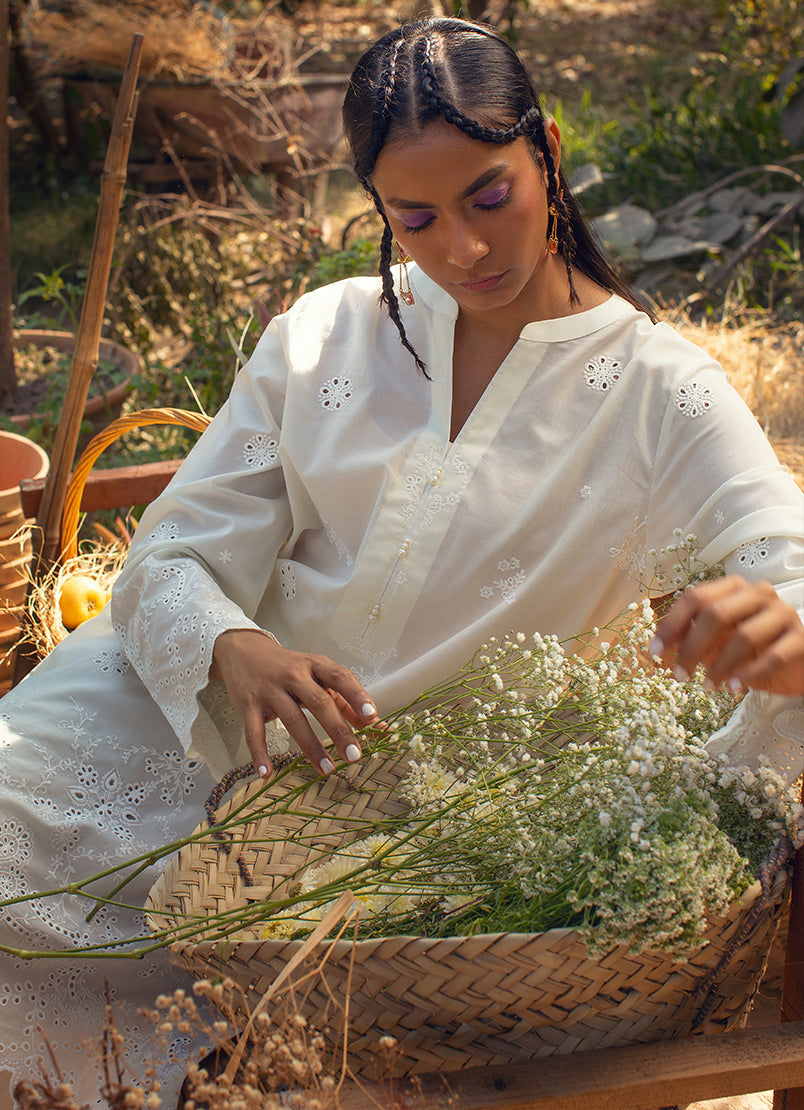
553,133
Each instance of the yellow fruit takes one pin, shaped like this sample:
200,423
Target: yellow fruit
81,598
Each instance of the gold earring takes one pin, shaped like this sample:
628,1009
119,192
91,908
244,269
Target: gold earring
405,291
552,238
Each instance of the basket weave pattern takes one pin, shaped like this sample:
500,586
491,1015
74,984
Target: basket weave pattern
459,1001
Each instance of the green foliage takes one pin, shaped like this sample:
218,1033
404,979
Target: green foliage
65,293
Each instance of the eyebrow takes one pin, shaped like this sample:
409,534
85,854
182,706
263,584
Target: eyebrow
484,179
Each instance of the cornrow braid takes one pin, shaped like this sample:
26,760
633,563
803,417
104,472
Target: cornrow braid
555,195
388,296
451,114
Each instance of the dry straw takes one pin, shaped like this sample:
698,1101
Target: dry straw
184,41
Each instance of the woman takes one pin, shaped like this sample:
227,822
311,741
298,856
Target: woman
515,445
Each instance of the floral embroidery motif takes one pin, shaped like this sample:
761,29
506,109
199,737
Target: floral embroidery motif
15,841
586,492
165,530
260,450
631,556
601,373
112,662
720,516
421,485
338,544
509,584
335,394
287,579
752,553
224,557
693,399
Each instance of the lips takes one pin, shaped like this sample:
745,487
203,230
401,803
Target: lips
482,285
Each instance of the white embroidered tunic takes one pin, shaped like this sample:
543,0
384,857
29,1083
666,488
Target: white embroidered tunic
327,504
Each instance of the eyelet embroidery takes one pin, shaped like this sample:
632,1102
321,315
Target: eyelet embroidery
112,662
287,579
260,450
335,394
693,399
165,530
602,372
510,584
754,552
586,492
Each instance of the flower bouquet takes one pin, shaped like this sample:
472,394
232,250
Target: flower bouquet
539,856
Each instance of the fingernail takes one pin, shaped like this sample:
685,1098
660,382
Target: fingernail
368,710
263,771
352,753
327,766
735,686
680,674
656,646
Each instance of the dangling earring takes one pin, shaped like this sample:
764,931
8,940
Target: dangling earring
552,238
405,291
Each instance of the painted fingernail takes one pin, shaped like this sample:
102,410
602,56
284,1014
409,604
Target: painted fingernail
263,771
327,766
735,686
680,674
352,753
656,646
368,710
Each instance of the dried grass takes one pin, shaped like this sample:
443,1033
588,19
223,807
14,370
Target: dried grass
183,41
42,625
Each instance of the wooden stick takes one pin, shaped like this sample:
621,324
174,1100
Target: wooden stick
85,359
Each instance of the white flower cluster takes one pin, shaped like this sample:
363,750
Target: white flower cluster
549,789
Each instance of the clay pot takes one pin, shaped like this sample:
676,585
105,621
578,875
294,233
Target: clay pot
101,407
19,458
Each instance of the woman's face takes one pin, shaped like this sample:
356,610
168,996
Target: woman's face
474,217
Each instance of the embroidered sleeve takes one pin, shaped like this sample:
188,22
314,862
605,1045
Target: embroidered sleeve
205,549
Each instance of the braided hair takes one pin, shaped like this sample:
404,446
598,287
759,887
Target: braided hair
468,75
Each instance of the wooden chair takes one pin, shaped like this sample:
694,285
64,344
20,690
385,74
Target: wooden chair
637,1077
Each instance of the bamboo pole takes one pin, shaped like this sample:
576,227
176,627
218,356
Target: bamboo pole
8,379
47,534
85,359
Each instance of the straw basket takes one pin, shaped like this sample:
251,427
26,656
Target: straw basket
453,1002
42,626
97,445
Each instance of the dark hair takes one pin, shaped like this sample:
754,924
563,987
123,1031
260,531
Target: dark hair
467,74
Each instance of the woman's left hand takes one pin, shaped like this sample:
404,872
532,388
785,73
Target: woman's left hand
742,632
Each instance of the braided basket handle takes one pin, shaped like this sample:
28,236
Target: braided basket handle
97,445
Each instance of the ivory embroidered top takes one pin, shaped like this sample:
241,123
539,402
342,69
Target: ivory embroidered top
327,504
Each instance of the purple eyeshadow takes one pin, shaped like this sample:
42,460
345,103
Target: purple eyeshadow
492,196
416,219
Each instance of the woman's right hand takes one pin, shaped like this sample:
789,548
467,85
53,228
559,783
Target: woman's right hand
266,681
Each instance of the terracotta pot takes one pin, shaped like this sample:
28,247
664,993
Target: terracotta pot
101,407
19,458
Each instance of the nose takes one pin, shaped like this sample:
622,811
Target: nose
464,246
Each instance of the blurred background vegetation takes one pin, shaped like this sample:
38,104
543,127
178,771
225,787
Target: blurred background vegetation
664,98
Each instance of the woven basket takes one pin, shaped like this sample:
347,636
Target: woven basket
94,449
460,1001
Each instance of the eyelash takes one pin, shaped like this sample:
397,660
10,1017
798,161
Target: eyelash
501,203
